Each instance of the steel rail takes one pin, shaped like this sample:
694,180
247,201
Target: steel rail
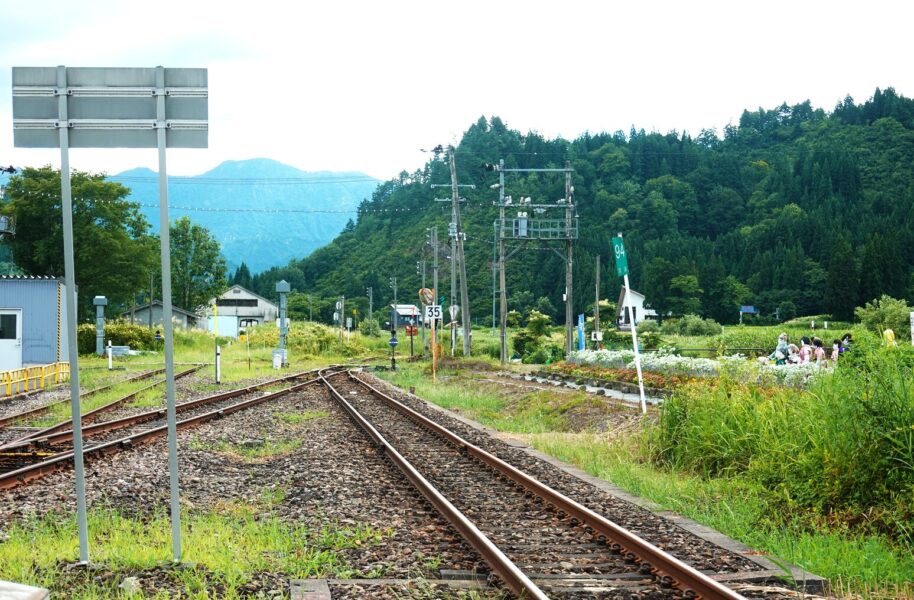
144,417
4,421
91,415
516,580
664,565
60,462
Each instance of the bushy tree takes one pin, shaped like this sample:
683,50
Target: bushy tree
884,313
112,246
197,267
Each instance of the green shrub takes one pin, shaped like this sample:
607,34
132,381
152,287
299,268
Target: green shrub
120,333
523,342
308,339
691,325
885,312
537,323
648,326
370,327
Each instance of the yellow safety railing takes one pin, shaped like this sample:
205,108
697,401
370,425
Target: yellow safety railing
38,377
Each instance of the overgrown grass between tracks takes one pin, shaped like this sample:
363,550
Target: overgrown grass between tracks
226,546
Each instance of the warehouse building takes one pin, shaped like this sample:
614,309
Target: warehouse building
33,329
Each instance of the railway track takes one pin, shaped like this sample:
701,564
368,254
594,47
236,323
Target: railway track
540,543
10,419
34,458
95,414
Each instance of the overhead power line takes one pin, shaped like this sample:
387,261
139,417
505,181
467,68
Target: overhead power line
246,180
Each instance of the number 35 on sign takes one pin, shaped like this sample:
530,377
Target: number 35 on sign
433,311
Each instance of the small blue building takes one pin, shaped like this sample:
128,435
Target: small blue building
33,327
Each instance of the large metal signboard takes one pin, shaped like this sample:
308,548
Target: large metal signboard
109,108
61,107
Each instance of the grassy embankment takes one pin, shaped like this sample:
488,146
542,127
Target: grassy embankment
821,478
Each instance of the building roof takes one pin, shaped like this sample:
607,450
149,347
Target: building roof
620,306
174,309
31,277
244,289
407,310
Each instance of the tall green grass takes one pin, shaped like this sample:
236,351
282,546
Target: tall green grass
842,452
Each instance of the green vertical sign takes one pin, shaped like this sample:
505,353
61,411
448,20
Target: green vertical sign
621,258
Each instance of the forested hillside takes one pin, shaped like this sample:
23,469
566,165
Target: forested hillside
794,209
245,204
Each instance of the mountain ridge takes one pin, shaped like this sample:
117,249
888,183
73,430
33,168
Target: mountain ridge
262,212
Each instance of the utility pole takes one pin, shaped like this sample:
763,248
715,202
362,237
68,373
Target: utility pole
370,302
569,248
596,306
393,323
452,234
310,309
420,268
502,297
458,243
342,316
494,282
434,241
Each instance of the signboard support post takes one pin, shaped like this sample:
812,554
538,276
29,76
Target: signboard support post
168,325
622,269
70,282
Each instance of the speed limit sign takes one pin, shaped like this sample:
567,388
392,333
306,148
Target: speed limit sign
433,311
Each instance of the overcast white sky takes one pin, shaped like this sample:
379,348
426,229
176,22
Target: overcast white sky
362,85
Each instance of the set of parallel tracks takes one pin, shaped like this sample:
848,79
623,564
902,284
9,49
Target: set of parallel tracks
532,536
32,459
37,412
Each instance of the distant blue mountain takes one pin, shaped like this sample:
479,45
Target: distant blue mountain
230,199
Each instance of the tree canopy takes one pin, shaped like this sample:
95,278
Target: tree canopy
794,210
112,246
114,250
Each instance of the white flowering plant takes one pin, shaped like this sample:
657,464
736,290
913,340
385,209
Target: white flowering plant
665,361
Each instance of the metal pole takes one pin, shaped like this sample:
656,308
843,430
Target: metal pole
342,316
151,294
596,305
461,258
110,357
631,320
569,249
494,282
436,302
503,299
422,317
452,233
72,346
165,245
218,364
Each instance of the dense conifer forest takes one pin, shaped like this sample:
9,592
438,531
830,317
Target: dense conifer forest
795,210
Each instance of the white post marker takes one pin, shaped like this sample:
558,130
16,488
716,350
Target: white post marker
631,320
912,328
218,364
110,362
622,270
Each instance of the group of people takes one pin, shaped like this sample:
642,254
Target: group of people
809,351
